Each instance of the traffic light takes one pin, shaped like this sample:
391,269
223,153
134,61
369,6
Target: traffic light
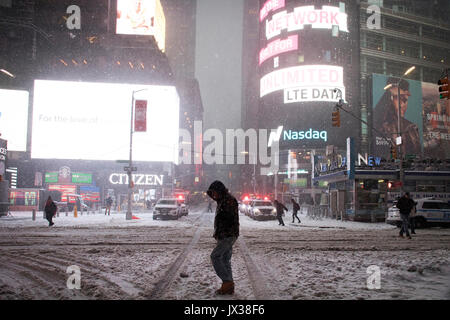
336,118
393,152
443,88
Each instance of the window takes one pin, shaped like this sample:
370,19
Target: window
430,205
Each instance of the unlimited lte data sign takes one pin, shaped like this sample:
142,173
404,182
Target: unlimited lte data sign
306,83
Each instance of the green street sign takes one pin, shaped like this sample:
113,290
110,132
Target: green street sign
81,178
51,177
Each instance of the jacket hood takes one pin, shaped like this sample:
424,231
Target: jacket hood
217,186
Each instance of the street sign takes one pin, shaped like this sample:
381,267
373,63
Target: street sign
398,140
410,156
128,168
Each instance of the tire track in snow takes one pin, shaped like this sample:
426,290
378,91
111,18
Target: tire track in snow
101,275
53,273
37,281
164,283
257,279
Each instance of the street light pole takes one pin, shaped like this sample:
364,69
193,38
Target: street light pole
400,154
129,214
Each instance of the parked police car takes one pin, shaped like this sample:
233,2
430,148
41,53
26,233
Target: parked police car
167,208
262,210
428,212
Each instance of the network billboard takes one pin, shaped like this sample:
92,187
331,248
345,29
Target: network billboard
306,61
91,121
425,119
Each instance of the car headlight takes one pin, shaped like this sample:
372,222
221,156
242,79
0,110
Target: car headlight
174,211
274,211
256,211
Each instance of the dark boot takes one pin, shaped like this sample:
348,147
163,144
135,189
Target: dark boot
226,288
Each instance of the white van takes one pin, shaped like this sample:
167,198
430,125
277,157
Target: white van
428,212
167,208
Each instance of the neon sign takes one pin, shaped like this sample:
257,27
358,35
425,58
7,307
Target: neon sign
320,76
331,94
305,135
325,18
138,179
270,5
277,47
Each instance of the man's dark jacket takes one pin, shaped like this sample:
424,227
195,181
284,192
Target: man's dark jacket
280,208
226,221
405,205
50,210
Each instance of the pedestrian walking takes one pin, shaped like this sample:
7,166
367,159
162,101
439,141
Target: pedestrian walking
280,210
295,209
405,204
109,202
50,210
226,232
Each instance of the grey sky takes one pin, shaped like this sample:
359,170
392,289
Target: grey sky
219,61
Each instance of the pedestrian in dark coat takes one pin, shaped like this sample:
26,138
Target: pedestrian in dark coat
405,204
109,202
280,210
295,209
226,232
50,210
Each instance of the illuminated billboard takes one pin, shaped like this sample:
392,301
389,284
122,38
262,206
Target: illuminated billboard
270,5
306,83
325,18
135,17
14,118
277,47
91,121
306,65
142,17
425,118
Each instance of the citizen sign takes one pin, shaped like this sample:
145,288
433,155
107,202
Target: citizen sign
138,179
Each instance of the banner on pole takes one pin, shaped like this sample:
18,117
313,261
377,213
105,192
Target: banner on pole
140,118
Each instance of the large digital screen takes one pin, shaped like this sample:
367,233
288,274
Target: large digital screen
14,118
91,121
135,17
425,123
306,65
142,17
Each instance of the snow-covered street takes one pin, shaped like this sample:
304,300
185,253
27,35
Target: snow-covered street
151,259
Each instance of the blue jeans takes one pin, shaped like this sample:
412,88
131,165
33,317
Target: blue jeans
405,224
221,258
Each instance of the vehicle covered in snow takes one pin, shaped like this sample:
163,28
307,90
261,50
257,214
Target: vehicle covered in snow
262,210
427,213
167,209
